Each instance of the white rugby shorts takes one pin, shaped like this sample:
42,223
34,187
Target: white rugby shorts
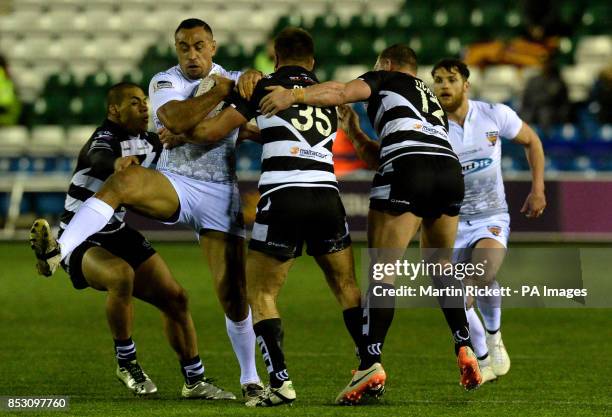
208,205
469,232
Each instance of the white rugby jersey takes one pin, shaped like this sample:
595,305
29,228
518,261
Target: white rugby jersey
207,162
478,146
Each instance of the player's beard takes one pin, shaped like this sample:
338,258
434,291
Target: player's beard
454,105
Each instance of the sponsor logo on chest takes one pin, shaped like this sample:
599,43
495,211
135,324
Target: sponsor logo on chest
307,153
492,137
475,165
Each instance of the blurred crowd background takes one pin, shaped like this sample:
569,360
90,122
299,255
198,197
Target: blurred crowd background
549,60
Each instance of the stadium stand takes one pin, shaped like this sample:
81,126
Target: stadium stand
73,50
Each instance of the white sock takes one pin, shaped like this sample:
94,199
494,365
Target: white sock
477,333
490,309
242,336
90,218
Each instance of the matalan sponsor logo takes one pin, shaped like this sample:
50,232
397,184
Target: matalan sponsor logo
308,153
425,129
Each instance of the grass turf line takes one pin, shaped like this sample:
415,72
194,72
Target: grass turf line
55,341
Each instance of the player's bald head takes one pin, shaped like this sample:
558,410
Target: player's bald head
119,92
401,56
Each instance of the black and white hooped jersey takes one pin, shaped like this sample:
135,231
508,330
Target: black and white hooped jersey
297,142
406,115
95,165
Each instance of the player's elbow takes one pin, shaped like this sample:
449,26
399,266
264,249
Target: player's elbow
170,122
207,134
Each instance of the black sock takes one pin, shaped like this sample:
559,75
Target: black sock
460,329
379,314
492,331
270,340
125,351
353,319
193,370
453,307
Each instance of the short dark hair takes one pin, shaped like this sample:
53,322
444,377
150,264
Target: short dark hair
116,93
452,63
400,54
194,23
293,44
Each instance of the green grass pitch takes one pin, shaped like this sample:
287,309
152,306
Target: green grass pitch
54,341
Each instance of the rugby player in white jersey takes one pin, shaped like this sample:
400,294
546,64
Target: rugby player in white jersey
299,205
475,131
194,185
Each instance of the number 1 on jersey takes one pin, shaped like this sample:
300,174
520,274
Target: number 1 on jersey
425,105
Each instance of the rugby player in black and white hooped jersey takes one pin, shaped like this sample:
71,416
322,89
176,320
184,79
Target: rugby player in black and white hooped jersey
476,129
418,183
299,203
118,259
194,185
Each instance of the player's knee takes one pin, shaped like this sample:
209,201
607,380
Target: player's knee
179,301
122,281
488,277
124,183
234,304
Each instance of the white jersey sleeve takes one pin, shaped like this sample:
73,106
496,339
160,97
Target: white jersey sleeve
234,75
165,87
508,121
219,70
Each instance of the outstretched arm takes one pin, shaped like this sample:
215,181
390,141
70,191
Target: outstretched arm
330,93
536,200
